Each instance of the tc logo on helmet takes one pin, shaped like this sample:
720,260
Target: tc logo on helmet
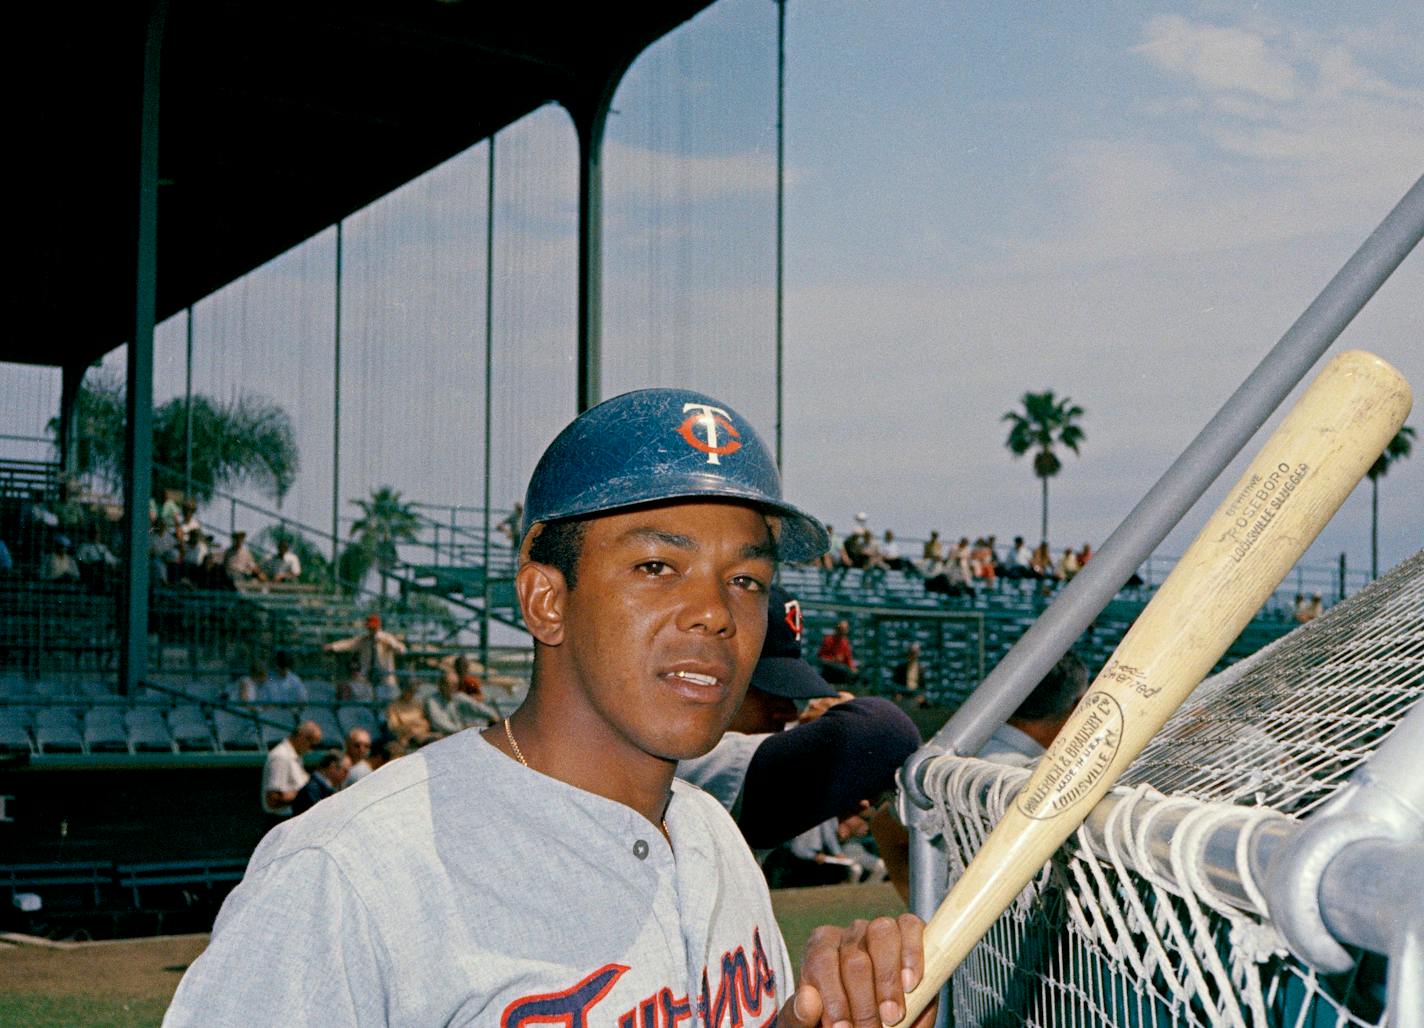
793,618
711,419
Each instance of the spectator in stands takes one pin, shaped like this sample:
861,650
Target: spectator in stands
358,752
188,523
326,780
933,556
1085,555
96,561
449,710
833,558
405,717
284,685
466,680
375,648
837,659
383,751
1067,566
284,565
239,563
510,526
164,553
1041,563
956,579
1032,728
1308,610
164,508
251,685
195,556
283,776
873,562
355,687
982,563
1020,562
779,781
895,560
59,564
909,676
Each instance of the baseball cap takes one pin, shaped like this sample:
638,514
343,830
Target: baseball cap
781,670
373,621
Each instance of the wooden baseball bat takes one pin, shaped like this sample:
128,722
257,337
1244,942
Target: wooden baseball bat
1310,464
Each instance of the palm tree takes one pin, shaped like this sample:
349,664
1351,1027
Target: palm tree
384,524
246,440
1399,448
1044,422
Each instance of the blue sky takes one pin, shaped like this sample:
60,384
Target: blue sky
1127,203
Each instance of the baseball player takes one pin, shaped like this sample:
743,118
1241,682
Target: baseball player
550,870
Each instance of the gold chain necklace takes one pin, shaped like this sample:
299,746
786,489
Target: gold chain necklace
509,734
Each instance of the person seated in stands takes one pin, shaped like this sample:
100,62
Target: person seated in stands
909,676
1308,610
375,648
893,558
1041,563
284,565
384,750
355,687
283,686
164,553
357,750
59,564
1020,562
188,523
251,685
933,555
283,775
163,507
405,717
467,681
510,526
837,659
326,780
97,563
1067,566
836,759
449,710
1032,728
1085,555
855,547
195,555
239,563
956,579
982,563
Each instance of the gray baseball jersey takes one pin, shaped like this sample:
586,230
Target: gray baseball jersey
455,886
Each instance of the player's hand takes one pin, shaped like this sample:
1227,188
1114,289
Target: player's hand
858,976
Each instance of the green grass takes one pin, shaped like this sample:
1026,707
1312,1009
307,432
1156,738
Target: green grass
41,1011
801,911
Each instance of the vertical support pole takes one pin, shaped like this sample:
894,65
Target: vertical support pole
138,426
1374,528
489,401
590,257
71,381
1340,588
927,888
336,417
188,403
780,222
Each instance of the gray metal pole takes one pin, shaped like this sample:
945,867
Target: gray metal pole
138,426
780,219
1181,486
188,403
489,402
336,418
590,257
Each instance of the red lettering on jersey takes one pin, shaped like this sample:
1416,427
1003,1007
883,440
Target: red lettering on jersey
568,1008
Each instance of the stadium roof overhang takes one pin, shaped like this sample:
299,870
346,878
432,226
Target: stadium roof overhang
275,121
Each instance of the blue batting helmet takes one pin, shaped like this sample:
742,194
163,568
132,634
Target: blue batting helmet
663,444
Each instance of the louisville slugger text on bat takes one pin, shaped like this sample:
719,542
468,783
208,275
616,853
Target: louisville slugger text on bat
1304,472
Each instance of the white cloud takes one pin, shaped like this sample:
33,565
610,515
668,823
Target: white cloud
1218,58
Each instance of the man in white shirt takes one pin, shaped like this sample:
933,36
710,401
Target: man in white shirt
1031,729
284,565
283,776
284,685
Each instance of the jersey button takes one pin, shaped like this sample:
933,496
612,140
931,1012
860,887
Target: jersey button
640,849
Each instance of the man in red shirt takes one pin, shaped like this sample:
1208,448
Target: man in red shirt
837,662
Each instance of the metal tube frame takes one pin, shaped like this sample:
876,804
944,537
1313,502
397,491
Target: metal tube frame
1164,505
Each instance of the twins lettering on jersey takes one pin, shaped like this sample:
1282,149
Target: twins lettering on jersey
745,998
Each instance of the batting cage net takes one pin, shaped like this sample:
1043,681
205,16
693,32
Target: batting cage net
1137,921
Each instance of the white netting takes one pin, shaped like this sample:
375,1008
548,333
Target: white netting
1106,936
